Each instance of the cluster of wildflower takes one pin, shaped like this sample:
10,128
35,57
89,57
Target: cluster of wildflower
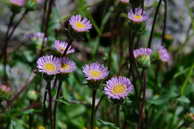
116,88
143,55
52,65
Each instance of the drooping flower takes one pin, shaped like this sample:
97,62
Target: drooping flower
80,24
67,65
124,1
137,15
163,54
18,2
95,71
118,87
49,65
142,52
61,46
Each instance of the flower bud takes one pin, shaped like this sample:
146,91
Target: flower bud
142,55
32,95
5,92
162,55
144,61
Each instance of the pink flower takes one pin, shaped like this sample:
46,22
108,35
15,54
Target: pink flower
18,2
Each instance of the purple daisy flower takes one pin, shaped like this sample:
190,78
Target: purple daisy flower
163,54
95,71
137,15
49,65
18,2
61,47
118,87
142,52
80,24
67,65
38,36
124,1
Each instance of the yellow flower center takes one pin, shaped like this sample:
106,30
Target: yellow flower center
65,66
138,17
119,89
49,67
41,127
95,73
61,49
80,25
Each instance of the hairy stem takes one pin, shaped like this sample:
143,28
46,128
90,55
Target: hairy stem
55,104
141,124
46,20
93,114
50,104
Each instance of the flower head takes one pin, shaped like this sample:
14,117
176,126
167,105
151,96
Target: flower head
67,65
61,47
143,56
163,54
5,88
142,52
124,1
38,36
80,24
49,65
137,15
118,87
95,71
18,2
5,91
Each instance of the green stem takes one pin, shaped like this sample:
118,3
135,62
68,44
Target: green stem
118,115
50,103
55,104
93,114
5,45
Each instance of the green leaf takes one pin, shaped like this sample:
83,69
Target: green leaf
183,100
109,124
